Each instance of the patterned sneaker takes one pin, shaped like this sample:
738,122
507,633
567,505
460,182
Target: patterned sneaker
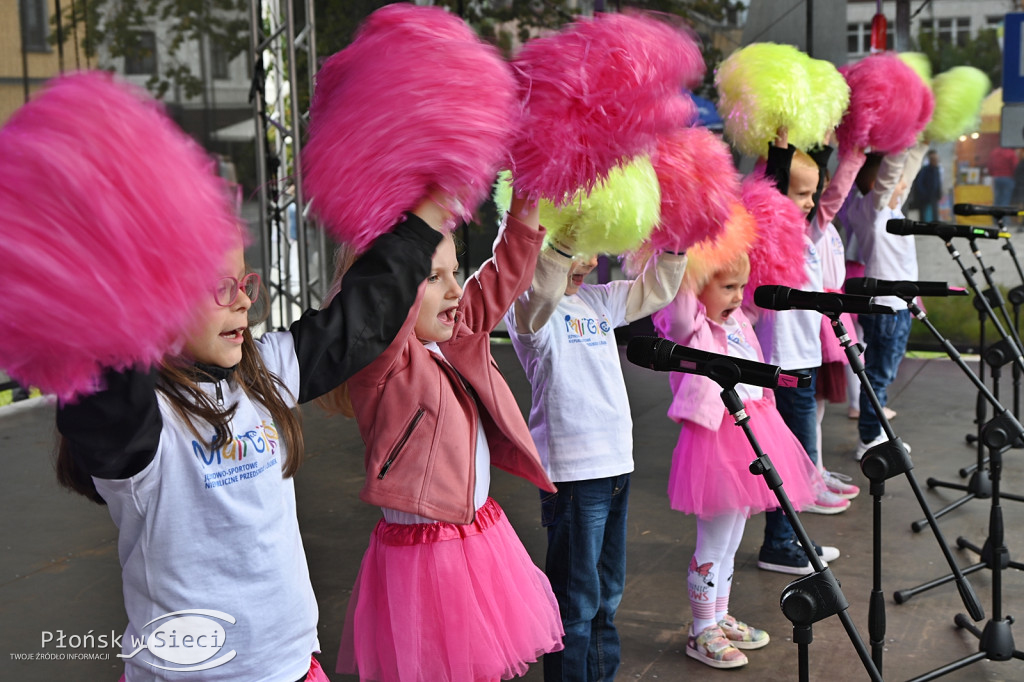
840,485
827,502
712,647
741,635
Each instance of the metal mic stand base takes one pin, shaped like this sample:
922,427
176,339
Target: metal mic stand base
995,641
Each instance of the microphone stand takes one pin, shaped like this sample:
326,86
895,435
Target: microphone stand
977,487
812,597
1016,296
995,642
879,463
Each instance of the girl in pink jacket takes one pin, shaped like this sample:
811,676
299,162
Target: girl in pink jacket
446,591
709,475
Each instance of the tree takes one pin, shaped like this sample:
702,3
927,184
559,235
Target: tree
982,52
117,28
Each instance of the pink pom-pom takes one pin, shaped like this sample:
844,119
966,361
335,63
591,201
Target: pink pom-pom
889,105
699,186
114,233
777,254
417,102
597,93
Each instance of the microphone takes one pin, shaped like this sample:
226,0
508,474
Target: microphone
870,286
662,355
944,230
994,211
775,297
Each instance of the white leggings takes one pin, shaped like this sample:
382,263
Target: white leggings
709,579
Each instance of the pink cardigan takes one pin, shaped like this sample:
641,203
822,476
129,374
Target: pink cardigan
684,321
415,410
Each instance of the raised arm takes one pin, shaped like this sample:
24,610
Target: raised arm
656,286
373,303
114,433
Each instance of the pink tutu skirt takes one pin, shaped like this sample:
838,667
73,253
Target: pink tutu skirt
439,602
710,472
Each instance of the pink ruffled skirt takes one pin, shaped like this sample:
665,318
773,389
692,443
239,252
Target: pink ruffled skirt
710,473
440,602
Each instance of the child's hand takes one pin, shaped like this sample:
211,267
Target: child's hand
782,137
432,210
525,210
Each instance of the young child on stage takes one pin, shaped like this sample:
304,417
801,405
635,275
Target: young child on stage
446,591
709,475
194,456
563,331
791,339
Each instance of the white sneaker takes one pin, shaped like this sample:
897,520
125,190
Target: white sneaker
864,447
841,485
827,502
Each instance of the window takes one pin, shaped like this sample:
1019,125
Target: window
34,25
951,30
858,39
219,62
140,59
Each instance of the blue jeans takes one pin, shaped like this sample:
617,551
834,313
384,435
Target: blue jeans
586,564
1002,190
799,409
886,339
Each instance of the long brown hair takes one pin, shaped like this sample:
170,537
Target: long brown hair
178,383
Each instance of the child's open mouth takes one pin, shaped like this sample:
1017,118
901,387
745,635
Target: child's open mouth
447,317
234,335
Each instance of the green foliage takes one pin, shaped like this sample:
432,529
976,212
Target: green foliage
116,26
981,52
956,319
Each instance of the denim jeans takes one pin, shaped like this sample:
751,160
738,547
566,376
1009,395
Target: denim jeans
799,409
886,339
586,564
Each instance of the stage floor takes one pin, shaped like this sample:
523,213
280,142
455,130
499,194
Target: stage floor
60,571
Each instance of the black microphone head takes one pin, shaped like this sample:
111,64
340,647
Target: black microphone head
862,286
771,296
900,226
641,349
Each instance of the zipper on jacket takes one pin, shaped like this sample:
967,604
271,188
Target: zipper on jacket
220,394
401,443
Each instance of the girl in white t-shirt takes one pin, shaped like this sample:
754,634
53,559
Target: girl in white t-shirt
709,475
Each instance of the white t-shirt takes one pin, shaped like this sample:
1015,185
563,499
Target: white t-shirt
215,529
739,348
791,339
579,419
885,255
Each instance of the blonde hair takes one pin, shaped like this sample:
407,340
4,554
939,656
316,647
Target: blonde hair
739,266
803,159
708,258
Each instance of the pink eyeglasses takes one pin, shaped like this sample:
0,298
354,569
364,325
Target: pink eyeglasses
227,289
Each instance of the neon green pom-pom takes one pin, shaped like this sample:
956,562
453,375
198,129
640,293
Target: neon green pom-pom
765,86
617,215
958,96
918,62
502,194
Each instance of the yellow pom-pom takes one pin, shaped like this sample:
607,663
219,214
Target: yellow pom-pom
918,62
615,217
502,193
959,93
765,86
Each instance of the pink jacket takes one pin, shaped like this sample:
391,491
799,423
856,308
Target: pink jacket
697,398
415,410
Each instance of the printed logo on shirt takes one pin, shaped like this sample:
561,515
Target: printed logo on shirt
229,460
189,640
588,330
